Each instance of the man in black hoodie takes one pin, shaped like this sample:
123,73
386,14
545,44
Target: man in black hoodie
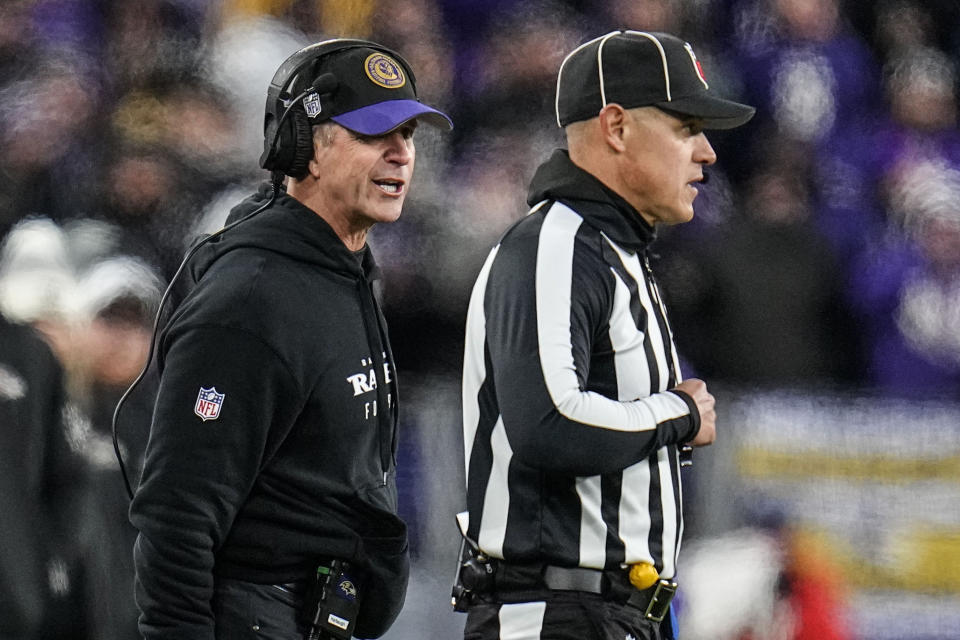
267,507
40,482
576,417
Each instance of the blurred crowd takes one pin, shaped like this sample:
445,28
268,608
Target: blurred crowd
825,252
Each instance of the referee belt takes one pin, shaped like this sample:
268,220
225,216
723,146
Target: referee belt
521,582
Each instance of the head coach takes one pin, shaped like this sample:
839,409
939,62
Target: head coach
267,507
576,417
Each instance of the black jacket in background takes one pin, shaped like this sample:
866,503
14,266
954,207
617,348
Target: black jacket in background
37,477
298,465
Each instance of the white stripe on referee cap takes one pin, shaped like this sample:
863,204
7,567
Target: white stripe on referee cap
603,91
560,72
663,59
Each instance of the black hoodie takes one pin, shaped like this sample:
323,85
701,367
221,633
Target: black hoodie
270,449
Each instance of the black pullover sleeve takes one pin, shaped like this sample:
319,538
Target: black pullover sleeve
197,473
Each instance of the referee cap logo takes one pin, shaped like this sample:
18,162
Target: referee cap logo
696,64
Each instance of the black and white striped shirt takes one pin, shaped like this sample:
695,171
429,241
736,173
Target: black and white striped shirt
570,434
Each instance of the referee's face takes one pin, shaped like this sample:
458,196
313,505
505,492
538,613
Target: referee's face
662,161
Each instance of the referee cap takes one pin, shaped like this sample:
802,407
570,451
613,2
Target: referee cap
640,69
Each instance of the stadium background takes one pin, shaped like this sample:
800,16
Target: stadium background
818,289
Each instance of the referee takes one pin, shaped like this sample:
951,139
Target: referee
575,411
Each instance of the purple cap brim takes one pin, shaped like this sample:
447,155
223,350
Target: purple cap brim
379,118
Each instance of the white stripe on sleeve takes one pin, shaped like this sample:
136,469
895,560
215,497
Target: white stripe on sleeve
496,499
475,372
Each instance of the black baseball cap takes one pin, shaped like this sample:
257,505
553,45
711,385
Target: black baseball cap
640,69
367,90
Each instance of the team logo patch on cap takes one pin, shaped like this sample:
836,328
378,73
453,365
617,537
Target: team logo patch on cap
209,403
696,64
384,71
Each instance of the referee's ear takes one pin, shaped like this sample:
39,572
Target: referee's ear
612,121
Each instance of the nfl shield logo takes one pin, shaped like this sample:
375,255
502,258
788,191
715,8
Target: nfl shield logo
209,403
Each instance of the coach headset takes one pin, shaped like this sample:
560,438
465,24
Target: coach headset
287,150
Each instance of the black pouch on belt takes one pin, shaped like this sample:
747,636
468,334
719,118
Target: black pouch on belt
331,603
474,575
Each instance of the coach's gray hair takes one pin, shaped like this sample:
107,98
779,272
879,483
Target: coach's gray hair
323,133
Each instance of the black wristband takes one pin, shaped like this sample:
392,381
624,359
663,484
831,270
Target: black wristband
694,415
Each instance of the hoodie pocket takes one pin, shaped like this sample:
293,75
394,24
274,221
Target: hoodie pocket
384,554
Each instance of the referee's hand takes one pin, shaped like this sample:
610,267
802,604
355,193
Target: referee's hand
697,389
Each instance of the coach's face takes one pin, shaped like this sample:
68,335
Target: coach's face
365,178
662,160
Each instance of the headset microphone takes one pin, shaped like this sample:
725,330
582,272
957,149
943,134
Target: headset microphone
325,84
706,178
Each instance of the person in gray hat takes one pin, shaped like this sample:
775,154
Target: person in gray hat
267,506
576,417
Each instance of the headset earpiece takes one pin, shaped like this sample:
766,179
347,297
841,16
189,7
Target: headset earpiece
303,130
302,144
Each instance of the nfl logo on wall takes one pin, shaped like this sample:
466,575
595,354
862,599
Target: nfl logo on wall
209,403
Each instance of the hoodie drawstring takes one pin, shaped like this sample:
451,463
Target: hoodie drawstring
382,357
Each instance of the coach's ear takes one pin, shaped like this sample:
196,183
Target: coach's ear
612,121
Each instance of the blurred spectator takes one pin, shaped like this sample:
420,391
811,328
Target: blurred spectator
813,589
907,288
115,304
47,133
770,583
15,36
803,66
116,300
733,594
35,275
901,25
41,477
153,40
243,53
97,311
763,304
894,25
920,127
514,84
652,15
402,29
174,150
921,88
